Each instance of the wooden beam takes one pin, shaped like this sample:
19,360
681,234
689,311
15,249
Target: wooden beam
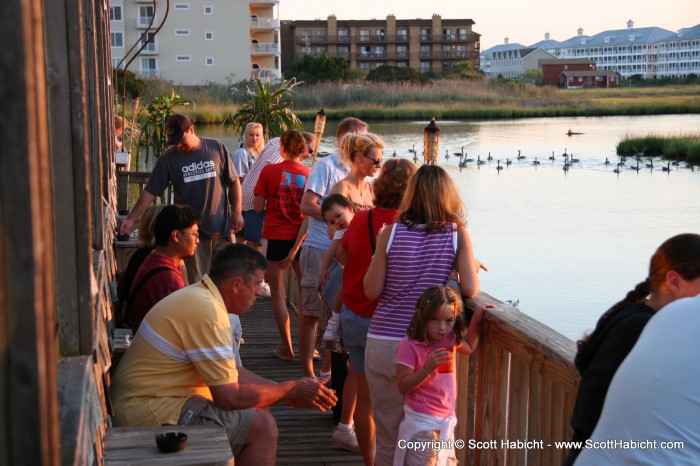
28,347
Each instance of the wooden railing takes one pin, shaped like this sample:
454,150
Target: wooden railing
125,180
519,386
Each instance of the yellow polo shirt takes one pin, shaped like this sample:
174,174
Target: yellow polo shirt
183,346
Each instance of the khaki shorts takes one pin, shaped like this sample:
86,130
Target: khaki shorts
198,411
310,262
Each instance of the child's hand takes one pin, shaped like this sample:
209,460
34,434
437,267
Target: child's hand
437,357
287,261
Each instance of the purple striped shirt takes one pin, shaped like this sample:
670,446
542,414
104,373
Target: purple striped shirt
415,261
269,154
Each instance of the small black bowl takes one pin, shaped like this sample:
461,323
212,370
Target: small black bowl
170,442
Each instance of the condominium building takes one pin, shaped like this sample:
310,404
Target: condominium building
651,52
423,44
197,42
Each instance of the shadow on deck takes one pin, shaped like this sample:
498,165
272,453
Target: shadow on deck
304,434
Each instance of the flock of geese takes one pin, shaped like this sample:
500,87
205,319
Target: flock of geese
639,160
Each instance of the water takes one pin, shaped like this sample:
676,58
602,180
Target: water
565,244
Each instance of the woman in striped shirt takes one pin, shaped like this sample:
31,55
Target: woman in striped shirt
427,243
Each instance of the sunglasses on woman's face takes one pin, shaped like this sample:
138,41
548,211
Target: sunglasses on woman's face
377,163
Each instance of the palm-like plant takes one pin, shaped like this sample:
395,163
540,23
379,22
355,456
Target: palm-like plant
265,106
152,122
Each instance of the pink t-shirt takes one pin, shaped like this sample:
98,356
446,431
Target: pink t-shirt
437,395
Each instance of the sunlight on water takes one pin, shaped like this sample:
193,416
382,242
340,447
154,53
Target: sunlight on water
570,244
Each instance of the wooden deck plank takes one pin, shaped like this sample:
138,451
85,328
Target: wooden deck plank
304,434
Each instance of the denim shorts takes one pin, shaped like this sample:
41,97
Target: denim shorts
354,328
253,226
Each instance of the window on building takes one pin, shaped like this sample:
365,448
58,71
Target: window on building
320,49
380,33
379,50
364,66
425,33
118,39
181,6
402,34
424,66
401,64
425,51
343,35
182,32
116,61
401,51
151,47
148,66
146,13
364,35
183,58
209,61
208,35
462,33
115,13
208,10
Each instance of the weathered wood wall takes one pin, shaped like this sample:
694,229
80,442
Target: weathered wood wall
57,201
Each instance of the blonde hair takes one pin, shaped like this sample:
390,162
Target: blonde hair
251,126
353,145
147,236
432,200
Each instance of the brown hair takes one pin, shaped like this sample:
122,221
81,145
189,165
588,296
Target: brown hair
428,306
294,143
147,236
335,199
680,253
354,145
432,200
350,125
390,186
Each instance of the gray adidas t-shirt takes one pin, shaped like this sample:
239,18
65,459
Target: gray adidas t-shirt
200,180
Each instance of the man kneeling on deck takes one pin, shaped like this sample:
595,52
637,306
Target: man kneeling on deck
180,367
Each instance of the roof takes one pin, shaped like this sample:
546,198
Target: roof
586,73
378,22
502,48
630,36
688,33
566,61
547,44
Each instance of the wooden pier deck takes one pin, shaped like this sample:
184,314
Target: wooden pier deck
304,434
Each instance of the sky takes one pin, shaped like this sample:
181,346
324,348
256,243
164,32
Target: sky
523,22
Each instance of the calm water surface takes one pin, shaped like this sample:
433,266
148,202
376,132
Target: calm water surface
566,245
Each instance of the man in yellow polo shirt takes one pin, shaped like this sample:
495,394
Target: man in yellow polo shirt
180,367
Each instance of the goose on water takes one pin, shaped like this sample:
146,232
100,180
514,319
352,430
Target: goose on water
499,167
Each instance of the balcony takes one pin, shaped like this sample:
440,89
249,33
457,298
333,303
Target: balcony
266,73
149,73
150,49
264,49
371,55
144,21
264,23
372,38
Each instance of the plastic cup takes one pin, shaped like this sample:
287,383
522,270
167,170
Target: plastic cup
448,366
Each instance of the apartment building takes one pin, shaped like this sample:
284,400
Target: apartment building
651,52
423,44
197,42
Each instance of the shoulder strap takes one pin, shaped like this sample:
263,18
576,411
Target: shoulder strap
372,239
143,281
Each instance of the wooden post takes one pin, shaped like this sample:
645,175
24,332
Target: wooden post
28,346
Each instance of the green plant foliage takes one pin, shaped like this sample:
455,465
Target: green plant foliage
321,68
268,107
152,120
129,82
675,147
389,74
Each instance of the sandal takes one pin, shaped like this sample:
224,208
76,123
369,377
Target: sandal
280,355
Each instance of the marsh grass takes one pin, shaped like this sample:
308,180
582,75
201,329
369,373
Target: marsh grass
482,99
673,147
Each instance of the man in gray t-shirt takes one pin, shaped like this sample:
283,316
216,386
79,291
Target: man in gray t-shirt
203,178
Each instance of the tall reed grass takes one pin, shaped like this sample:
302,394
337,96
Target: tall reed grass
674,147
495,98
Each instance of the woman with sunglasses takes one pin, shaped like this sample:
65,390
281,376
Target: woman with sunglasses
362,152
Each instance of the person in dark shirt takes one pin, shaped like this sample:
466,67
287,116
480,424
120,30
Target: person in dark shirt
673,270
